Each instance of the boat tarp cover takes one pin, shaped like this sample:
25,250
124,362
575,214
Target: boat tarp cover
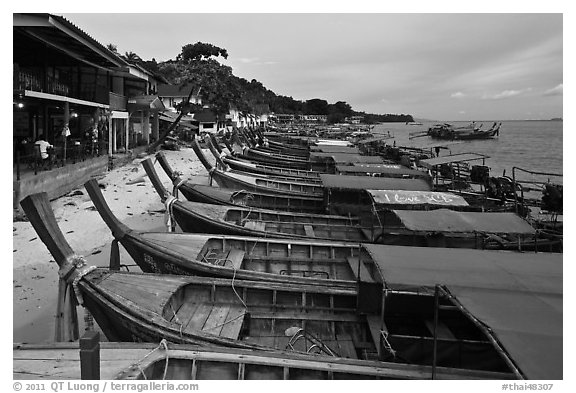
402,197
432,162
517,295
445,220
373,183
335,149
377,138
345,158
380,168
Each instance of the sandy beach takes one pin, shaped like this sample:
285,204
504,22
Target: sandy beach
131,197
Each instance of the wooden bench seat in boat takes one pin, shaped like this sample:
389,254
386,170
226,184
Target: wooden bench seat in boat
309,231
255,225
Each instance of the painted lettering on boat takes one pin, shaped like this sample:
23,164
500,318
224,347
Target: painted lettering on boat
421,198
148,260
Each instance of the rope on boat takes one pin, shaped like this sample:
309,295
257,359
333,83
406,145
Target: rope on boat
82,269
163,344
178,181
168,219
387,345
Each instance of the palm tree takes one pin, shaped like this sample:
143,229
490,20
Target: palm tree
112,48
132,57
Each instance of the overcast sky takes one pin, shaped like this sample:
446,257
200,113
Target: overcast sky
433,66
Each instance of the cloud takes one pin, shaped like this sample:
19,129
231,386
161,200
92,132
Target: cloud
555,91
462,112
458,94
255,61
505,94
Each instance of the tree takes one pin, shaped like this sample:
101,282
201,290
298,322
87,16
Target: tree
112,48
316,106
199,51
132,57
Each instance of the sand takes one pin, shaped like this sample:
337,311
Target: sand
131,197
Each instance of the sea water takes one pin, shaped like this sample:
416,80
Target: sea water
531,145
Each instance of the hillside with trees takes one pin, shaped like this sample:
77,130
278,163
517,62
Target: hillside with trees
197,64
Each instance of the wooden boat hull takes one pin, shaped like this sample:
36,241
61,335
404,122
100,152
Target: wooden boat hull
203,218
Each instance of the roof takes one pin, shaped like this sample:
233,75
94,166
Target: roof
145,102
390,169
462,157
445,220
373,183
517,295
181,90
63,35
205,116
345,158
420,198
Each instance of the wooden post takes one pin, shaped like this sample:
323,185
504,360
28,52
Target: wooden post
90,356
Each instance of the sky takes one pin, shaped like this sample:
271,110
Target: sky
467,66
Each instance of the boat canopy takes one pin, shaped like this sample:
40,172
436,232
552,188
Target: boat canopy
390,169
445,220
347,182
335,149
517,295
346,158
463,157
377,138
423,198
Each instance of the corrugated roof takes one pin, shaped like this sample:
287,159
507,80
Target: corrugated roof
444,220
517,295
419,198
373,183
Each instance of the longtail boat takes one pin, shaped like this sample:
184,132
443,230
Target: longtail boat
224,196
492,311
225,161
244,221
437,228
264,184
168,361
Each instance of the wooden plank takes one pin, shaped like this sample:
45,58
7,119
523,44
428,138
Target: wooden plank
309,231
199,318
364,274
215,320
346,346
233,323
442,331
308,316
235,258
185,312
376,326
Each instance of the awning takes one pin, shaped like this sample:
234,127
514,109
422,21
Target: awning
416,198
383,169
343,158
517,295
335,149
373,183
445,220
145,103
463,157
